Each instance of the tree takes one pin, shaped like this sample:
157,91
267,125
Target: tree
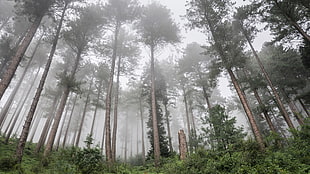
157,29
242,24
224,132
128,54
35,12
26,127
82,32
287,19
118,12
213,15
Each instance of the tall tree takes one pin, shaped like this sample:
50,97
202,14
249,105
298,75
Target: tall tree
35,12
83,30
247,34
118,12
26,127
224,131
127,57
157,29
211,14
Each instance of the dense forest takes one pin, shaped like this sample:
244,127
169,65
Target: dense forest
110,86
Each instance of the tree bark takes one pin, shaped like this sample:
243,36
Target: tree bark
96,108
168,127
24,135
47,125
182,145
109,98
186,113
21,104
57,118
266,75
154,115
14,92
69,121
15,60
304,107
116,98
84,114
142,129
247,110
266,115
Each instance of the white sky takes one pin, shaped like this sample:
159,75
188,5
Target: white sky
178,9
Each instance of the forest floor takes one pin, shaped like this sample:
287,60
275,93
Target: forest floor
292,156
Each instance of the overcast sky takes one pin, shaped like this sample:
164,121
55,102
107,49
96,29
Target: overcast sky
178,9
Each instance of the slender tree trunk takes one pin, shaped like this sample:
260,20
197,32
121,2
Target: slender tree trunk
24,135
126,139
265,112
304,107
187,116
109,99
21,104
293,108
14,92
47,125
96,108
34,127
69,121
63,124
154,115
15,60
116,98
142,130
84,114
5,62
168,127
205,94
275,93
57,118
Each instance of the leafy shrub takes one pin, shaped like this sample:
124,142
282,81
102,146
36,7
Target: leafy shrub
7,164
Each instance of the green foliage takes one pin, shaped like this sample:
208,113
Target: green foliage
222,131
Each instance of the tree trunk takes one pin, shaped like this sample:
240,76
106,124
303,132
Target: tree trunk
142,130
109,98
24,135
15,60
84,114
186,113
96,108
247,110
182,145
69,121
154,115
57,118
275,93
34,126
205,94
14,92
304,107
116,97
47,125
5,62
265,112
293,108
63,124
168,127
21,104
